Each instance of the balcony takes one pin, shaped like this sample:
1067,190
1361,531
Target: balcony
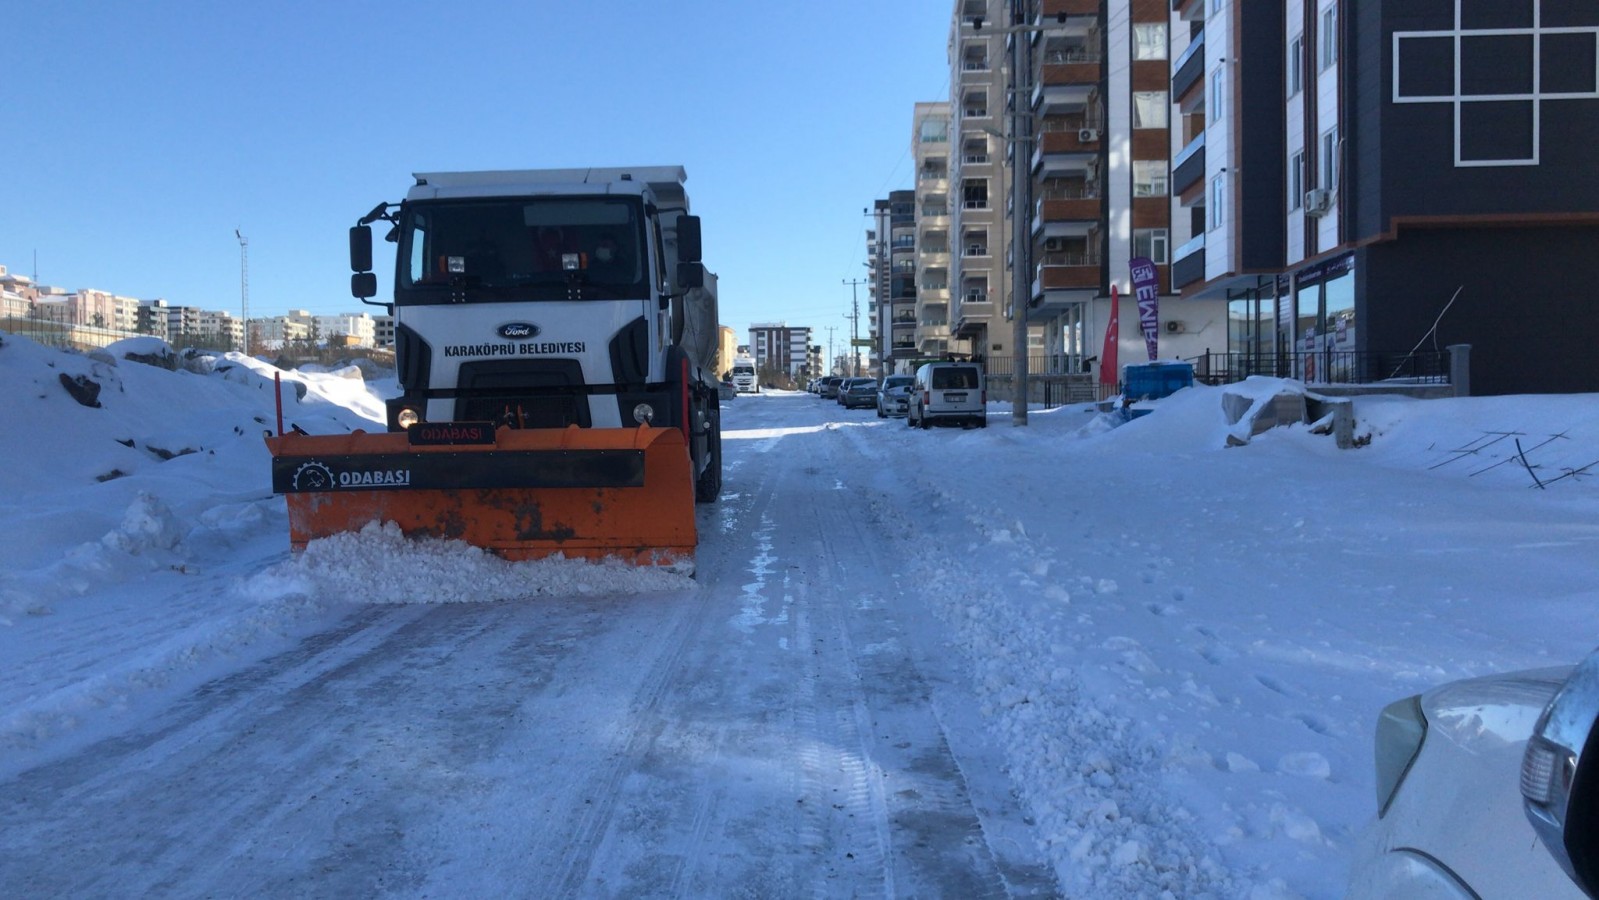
1077,271
972,318
1188,167
1188,263
1188,73
1053,8
1058,209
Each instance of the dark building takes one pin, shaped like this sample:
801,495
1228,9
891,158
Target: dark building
1426,173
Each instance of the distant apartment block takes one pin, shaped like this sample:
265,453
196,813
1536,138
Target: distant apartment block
90,318
779,347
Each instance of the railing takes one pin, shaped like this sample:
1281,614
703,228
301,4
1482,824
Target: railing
1326,366
1073,55
1085,191
1069,258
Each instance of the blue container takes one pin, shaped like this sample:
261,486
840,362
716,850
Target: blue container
1152,381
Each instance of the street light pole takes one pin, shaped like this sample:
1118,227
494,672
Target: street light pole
244,286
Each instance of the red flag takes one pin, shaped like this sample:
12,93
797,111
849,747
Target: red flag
1108,369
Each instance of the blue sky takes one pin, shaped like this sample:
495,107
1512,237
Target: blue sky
139,136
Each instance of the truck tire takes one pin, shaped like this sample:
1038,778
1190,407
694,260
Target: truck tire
708,487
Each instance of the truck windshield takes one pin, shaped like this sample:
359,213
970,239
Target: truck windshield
520,248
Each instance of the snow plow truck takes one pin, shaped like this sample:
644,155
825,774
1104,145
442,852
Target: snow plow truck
555,334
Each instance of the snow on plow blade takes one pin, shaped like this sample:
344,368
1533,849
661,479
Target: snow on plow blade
519,493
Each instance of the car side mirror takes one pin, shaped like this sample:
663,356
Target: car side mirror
1560,776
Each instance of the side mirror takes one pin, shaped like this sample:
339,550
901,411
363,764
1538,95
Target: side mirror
361,249
690,275
1560,776
363,285
688,239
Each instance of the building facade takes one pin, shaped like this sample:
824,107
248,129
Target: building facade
1378,181
780,350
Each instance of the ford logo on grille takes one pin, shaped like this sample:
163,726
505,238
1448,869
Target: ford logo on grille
519,330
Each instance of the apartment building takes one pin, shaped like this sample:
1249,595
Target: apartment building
1371,183
908,274
980,180
778,347
1068,184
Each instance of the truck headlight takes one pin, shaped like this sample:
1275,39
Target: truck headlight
1401,728
644,414
407,417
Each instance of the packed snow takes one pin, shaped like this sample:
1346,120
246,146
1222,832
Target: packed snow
1166,652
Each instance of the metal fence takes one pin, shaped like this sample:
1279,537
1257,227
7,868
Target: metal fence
1326,366
1052,381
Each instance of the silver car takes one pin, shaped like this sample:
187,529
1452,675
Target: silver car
894,396
1483,790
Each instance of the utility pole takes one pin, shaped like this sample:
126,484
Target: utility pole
1021,129
854,324
830,330
883,285
244,286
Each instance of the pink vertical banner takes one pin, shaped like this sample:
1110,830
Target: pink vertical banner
1146,287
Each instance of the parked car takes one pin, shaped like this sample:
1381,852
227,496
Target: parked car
829,389
861,392
894,395
726,390
844,386
948,392
1484,790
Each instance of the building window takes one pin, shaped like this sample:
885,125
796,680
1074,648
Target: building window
1329,36
1151,243
1149,178
1329,160
974,194
1218,82
1218,213
1296,64
1150,109
1149,40
1296,180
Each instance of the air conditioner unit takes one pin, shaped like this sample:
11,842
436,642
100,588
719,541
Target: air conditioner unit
1317,202
1175,327
1087,135
1054,244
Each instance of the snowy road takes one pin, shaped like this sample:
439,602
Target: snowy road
789,728
1066,660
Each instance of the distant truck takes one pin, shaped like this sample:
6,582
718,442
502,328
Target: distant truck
744,376
555,336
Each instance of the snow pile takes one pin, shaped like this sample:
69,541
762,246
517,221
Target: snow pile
380,565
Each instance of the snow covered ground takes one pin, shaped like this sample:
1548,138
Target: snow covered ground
1152,661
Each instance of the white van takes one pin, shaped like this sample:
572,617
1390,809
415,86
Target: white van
948,392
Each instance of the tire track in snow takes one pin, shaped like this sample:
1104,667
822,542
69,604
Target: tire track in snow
1088,774
934,839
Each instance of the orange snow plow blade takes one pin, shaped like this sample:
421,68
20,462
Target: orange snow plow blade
519,493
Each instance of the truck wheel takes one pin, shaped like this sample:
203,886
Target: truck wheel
708,487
